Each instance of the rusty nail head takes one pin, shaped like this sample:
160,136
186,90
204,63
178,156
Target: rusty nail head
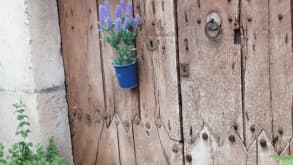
249,19
158,123
184,70
189,158
205,136
136,121
198,21
126,123
232,138
235,127
263,143
280,131
175,148
147,125
252,128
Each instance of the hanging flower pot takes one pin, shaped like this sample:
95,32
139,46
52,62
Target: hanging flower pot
127,75
120,34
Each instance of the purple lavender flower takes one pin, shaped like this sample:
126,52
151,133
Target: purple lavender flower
108,22
107,6
118,24
119,11
135,22
123,5
126,22
129,10
102,11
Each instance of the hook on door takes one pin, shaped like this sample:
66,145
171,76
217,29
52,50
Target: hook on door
213,25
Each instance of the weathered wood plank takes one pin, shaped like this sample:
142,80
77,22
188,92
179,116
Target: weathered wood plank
158,84
84,79
281,71
251,158
108,148
122,103
211,94
126,142
256,68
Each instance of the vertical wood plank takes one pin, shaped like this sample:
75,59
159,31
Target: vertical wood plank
84,79
251,158
281,71
211,94
256,68
158,123
108,148
120,103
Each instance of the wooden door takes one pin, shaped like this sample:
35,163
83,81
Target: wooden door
200,101
237,98
139,126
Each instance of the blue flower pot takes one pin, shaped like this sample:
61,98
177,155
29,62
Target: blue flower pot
127,75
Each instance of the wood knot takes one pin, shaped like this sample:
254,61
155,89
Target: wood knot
205,136
280,131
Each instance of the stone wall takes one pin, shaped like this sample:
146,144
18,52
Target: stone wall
31,69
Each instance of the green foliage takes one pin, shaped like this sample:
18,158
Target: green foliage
25,152
123,43
111,162
286,160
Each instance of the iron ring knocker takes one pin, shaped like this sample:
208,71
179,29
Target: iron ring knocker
213,26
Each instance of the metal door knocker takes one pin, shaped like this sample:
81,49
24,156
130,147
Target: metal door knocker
213,25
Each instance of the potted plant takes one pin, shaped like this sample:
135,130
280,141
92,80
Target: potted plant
120,34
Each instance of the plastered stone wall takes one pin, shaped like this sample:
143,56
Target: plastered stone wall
31,69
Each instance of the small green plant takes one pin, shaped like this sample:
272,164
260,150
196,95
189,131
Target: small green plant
286,160
25,152
111,162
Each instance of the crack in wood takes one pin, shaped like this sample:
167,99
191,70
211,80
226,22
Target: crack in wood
163,148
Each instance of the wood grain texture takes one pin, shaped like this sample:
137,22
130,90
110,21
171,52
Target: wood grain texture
80,48
256,68
158,84
108,148
231,152
265,150
211,94
281,72
251,158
